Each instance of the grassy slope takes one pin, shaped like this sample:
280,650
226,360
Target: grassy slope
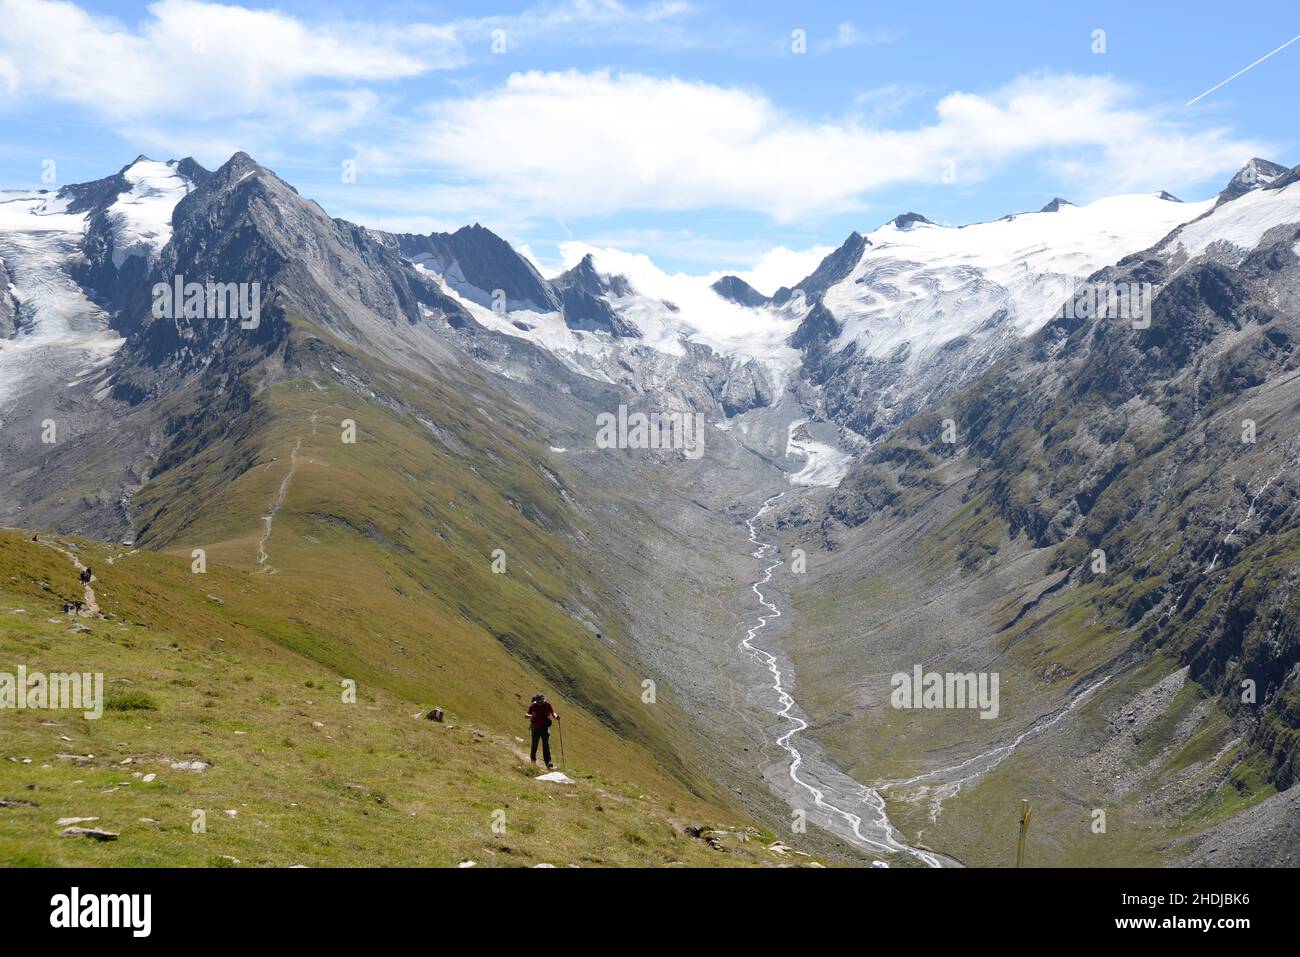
378,570
313,780
388,543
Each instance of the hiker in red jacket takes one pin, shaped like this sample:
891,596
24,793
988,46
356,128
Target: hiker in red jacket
540,714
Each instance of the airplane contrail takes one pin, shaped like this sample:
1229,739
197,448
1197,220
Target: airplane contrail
1243,70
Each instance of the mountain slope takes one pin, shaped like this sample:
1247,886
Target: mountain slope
1169,452
288,772
379,551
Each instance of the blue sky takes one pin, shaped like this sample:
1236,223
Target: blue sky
693,132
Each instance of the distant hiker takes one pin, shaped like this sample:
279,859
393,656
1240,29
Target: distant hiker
67,607
540,714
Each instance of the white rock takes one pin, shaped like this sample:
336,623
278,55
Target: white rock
558,777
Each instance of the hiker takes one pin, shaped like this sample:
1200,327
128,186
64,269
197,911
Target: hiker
540,714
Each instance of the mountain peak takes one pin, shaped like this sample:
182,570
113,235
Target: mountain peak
1055,205
908,220
734,289
480,262
589,279
133,164
1255,174
831,270
236,169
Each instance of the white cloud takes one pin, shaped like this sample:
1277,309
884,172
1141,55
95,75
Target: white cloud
195,77
208,78
571,144
779,267
202,59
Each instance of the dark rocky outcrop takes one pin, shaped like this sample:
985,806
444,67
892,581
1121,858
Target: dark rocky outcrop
734,289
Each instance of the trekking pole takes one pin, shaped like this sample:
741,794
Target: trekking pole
560,724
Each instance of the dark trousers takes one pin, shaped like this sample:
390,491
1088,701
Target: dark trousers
543,735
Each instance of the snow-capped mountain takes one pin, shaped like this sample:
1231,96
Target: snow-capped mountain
888,322
919,286
902,316
1231,230
1171,448
669,335
1256,174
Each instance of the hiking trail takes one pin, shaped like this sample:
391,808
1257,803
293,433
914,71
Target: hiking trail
269,517
91,607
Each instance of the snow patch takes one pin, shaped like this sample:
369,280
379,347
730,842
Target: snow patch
141,218
928,284
1243,221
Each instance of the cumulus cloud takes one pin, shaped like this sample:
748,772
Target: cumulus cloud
200,59
779,266
207,78
590,143
193,73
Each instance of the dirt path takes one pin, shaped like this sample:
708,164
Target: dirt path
269,517
91,607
